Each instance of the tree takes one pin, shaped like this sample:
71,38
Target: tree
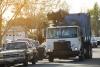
57,16
34,11
95,16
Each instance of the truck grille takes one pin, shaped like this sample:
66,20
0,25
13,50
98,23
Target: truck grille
62,45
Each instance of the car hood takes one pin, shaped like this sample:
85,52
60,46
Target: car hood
11,51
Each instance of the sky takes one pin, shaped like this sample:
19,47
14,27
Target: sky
76,6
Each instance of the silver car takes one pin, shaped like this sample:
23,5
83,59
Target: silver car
18,52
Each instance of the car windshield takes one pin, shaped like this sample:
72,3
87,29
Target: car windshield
67,32
16,45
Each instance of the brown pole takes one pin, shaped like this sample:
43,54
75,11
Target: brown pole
0,29
0,23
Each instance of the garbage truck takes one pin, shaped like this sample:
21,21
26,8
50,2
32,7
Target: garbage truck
70,38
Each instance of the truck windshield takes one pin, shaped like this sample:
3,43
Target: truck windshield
68,32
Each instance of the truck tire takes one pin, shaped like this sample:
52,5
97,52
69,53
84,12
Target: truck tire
34,60
51,59
81,55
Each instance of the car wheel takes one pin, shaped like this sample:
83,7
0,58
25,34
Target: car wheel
6,65
25,63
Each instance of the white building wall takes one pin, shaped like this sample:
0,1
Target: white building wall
14,34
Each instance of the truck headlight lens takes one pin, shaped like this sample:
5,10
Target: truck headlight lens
76,48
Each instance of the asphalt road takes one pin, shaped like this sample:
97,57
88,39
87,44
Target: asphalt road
95,62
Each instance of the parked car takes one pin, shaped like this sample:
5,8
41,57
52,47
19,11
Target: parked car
98,40
35,43
17,52
94,42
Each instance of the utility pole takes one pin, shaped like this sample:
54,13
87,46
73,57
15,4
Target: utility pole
0,29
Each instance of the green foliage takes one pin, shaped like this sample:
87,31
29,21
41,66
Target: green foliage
95,22
57,16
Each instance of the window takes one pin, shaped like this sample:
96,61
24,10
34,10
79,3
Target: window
65,32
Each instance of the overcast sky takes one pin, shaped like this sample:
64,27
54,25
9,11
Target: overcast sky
77,6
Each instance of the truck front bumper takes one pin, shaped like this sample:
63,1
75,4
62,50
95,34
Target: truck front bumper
63,54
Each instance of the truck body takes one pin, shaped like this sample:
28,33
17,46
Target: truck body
70,38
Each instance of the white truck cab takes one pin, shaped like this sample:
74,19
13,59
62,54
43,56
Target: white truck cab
63,41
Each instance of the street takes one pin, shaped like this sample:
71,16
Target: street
95,62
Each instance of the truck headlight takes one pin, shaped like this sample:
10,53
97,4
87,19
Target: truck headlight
76,48
49,50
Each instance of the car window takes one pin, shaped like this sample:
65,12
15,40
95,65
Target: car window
29,46
16,45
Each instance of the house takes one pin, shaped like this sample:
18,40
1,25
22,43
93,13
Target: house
14,33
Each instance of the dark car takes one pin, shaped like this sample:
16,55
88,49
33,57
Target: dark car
94,42
35,43
18,52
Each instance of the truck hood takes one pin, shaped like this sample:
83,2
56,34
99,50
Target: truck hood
11,51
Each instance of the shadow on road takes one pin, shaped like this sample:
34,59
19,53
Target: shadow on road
59,63
94,61
40,65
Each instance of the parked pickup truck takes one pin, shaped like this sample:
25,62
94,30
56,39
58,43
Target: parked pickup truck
17,52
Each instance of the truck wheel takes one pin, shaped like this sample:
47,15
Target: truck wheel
51,59
81,55
34,61
81,58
